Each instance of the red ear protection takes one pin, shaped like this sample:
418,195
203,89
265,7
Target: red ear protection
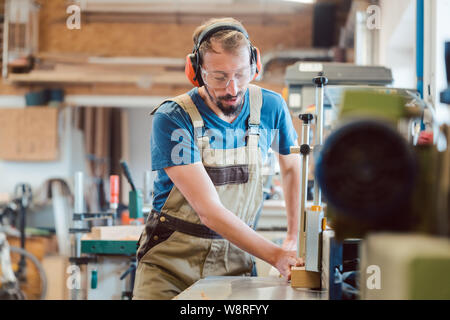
192,68
256,58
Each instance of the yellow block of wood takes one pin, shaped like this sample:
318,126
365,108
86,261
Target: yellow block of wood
300,278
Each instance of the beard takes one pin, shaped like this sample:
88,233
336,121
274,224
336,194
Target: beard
229,109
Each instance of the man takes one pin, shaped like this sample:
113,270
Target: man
208,148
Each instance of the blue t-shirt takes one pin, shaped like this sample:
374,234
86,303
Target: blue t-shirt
172,138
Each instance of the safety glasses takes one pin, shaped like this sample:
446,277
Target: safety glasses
221,79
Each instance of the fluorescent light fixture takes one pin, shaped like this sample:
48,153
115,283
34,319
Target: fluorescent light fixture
301,1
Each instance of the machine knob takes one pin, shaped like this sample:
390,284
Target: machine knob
306,117
305,149
320,80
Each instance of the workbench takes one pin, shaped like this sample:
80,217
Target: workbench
248,288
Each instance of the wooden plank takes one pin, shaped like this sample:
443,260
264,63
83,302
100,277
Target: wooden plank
55,267
88,135
107,77
106,142
225,7
71,77
158,61
116,233
63,57
99,133
169,83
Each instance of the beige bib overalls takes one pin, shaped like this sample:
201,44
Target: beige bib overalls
176,249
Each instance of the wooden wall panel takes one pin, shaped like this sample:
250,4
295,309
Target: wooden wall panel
29,134
161,38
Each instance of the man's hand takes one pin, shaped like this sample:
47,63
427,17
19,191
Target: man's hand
287,259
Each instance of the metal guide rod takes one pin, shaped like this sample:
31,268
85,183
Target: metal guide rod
320,81
304,152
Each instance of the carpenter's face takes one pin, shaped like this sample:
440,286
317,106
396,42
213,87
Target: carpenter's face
226,76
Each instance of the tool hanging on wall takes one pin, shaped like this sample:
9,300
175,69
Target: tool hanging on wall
114,196
135,201
131,274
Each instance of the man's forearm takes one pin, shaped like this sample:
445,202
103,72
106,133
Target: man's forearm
228,225
195,184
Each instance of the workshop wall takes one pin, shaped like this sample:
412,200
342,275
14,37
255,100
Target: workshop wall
153,36
140,124
157,37
397,46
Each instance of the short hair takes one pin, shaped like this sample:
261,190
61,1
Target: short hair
230,40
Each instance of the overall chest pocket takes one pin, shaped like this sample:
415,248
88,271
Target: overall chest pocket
235,174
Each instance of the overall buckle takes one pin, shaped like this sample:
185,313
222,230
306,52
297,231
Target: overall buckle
253,129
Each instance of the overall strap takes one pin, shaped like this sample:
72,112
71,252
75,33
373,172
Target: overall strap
185,101
255,94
